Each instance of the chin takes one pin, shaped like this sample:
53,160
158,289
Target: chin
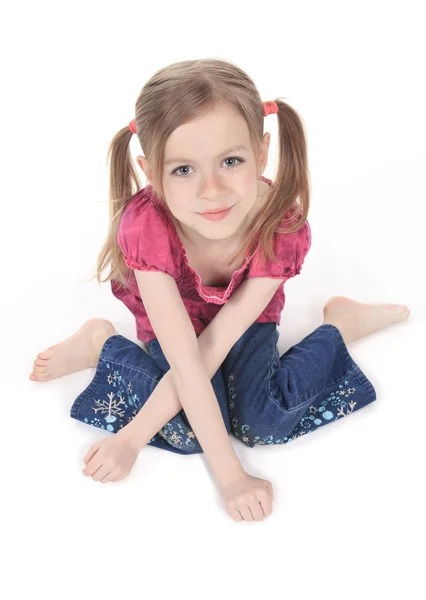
218,237
224,232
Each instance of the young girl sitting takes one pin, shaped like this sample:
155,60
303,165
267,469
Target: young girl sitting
200,257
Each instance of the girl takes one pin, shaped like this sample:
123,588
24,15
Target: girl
200,257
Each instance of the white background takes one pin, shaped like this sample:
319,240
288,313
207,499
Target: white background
348,518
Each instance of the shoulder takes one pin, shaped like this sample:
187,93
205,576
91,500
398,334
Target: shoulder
290,250
144,235
140,210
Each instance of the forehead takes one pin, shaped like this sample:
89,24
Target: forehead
210,133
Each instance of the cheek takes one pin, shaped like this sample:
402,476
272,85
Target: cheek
173,194
249,180
249,188
176,201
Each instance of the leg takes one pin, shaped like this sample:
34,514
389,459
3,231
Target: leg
275,399
125,378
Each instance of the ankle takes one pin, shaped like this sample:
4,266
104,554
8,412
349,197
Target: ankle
344,325
98,340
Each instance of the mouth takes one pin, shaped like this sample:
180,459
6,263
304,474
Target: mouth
213,212
217,215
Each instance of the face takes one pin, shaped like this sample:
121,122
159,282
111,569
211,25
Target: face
209,164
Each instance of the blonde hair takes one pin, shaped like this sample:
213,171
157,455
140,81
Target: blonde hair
175,95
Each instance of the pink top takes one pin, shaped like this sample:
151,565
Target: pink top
149,242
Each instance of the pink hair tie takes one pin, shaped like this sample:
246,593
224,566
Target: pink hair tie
269,108
132,126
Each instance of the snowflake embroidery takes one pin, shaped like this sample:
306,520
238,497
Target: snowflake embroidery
341,412
111,407
175,438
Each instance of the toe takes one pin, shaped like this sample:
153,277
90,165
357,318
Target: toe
36,377
40,377
48,352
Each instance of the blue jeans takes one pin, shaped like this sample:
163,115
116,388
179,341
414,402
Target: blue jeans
263,398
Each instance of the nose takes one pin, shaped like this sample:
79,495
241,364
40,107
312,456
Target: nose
211,187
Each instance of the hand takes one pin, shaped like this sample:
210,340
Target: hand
111,459
247,498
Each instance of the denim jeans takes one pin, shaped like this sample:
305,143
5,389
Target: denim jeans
264,398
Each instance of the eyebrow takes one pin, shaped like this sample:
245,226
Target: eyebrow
187,160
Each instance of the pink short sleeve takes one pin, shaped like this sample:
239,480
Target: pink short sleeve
290,250
144,237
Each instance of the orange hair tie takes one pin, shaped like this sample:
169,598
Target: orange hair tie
269,108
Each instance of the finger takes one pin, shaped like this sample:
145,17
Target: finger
110,477
93,465
102,472
266,504
245,512
91,452
120,477
235,514
256,510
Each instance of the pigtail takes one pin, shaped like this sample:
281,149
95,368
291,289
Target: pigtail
123,179
292,182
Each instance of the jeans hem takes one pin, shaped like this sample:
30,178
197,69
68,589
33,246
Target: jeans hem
362,378
95,381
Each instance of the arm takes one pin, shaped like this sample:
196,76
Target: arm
175,332
214,344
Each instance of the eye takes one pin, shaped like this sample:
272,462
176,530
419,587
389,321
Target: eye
235,158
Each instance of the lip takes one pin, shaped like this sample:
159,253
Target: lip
217,215
212,212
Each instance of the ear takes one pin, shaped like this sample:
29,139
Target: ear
263,158
144,165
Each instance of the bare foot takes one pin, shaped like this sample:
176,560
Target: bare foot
356,320
79,351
